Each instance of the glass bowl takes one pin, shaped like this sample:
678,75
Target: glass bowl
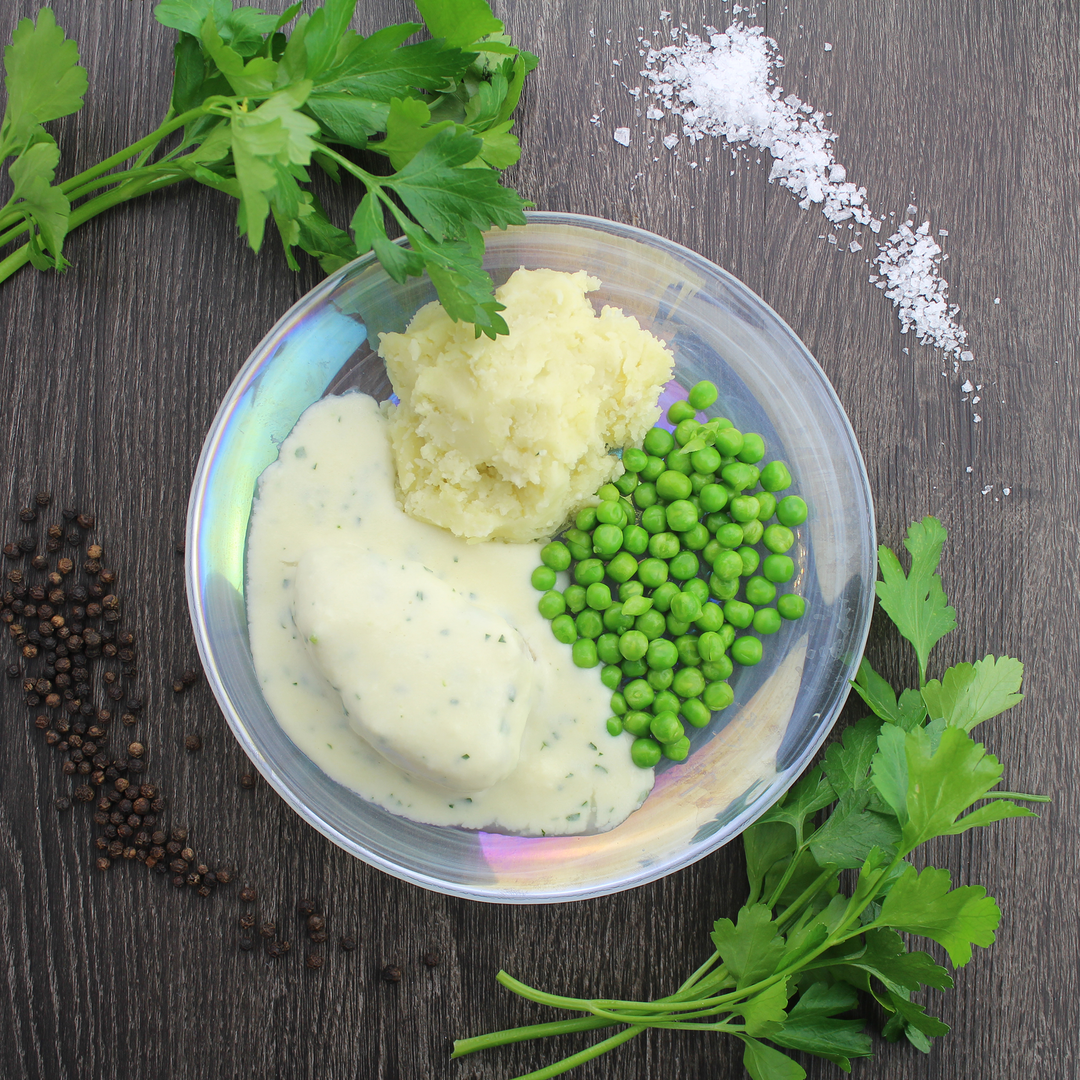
784,707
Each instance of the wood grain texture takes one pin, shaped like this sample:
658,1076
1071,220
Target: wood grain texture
113,373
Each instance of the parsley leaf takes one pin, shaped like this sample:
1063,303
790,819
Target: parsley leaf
907,710
762,1062
46,207
751,948
968,694
460,22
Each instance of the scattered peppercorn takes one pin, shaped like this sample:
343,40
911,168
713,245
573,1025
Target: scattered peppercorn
63,803
247,780
432,959
247,894
314,961
347,943
391,974
192,743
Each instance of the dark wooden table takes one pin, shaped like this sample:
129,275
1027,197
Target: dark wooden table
112,372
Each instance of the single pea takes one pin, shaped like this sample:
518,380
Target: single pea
730,535
713,497
662,654
556,555
679,750
676,627
688,654
684,566
694,712
766,504
606,540
686,607
679,462
738,614
645,752
778,568
627,482
658,442
552,603
634,459
681,515
588,570
728,564
659,678
750,559
717,669
778,539
662,595
543,578
645,495
589,623
586,519
574,595
665,701
791,606
716,521
695,586
706,460
579,549
637,605
633,645
614,725
654,467
729,441
607,648
564,629
695,502
608,493
727,634
679,411
717,695
665,727
746,651
654,520
743,508
739,476
753,449
611,676
723,588
688,682
584,653
685,430
767,620
699,481
653,572
711,618
710,552
759,591
639,694
598,596
752,531
702,395
791,511
615,621
673,485
634,669
775,476
637,722
695,538
664,545
710,646
622,567
609,513
652,624
629,588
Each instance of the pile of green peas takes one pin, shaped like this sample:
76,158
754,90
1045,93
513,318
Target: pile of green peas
669,586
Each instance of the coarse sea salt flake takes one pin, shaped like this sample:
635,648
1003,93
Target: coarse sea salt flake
828,47
621,135
854,246
967,387
670,141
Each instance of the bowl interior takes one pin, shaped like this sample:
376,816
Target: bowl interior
783,708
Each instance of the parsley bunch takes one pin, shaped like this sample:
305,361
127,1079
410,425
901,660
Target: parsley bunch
254,108
787,972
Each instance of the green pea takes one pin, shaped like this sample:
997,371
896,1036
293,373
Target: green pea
685,430
696,587
676,627
659,678
686,607
743,508
791,511
759,591
662,654
633,645
578,543
699,481
702,395
552,603
665,727
584,653
688,655
778,538
738,614
639,694
695,538
615,620
706,460
679,411
634,669
564,629
645,753
681,515
710,552
739,476
718,669
652,624
688,682
684,566
665,701
627,482
713,497
718,695
652,572
727,634
673,485
710,646
598,596
663,545
711,618
728,564
767,620
543,578
629,588
661,597
637,605
679,750
653,469
729,441
679,462
775,476
716,521
588,570
589,623
586,519
694,712
634,460
609,513
637,722
746,651
723,588
658,442
750,559
614,725
730,535
645,495
608,493
778,568
607,648
753,448
611,676
556,555
791,606
606,540
654,520
752,531
766,504
622,567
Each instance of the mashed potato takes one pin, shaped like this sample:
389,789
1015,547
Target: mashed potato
505,439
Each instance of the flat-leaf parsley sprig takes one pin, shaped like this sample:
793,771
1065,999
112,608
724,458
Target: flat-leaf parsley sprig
254,108
787,972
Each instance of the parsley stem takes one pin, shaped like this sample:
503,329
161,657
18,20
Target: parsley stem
582,1056
524,1034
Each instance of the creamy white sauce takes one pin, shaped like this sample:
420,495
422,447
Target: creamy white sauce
383,700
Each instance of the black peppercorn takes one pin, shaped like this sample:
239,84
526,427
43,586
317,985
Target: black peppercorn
391,974
347,943
314,961
63,803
